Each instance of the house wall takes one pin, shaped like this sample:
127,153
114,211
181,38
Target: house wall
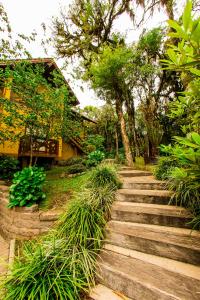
65,150
68,151
9,148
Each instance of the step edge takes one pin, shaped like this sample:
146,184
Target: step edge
145,284
98,289
181,268
186,232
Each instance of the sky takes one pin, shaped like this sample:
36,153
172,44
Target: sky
28,15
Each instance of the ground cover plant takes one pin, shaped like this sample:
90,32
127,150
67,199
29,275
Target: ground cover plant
164,167
94,158
26,188
8,166
62,264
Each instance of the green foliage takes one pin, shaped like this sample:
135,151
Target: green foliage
104,175
27,187
76,168
75,165
8,166
164,167
110,68
150,42
59,190
186,109
94,158
72,161
185,58
185,180
37,110
62,265
94,141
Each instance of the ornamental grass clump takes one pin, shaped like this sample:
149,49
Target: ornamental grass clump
44,273
62,265
104,175
165,166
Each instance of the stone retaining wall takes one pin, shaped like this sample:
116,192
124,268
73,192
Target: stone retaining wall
23,222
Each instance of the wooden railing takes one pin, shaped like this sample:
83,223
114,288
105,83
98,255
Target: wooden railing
40,147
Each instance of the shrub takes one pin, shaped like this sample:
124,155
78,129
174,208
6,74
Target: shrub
72,161
104,175
164,167
185,180
76,168
94,141
27,187
8,166
94,158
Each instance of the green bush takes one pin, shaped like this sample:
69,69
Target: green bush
104,175
63,264
185,180
72,161
94,158
27,187
94,142
8,166
164,167
76,168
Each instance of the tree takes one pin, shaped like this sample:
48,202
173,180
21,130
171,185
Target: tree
108,73
37,102
107,124
153,86
86,31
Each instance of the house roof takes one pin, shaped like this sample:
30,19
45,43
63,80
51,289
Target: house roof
83,117
51,65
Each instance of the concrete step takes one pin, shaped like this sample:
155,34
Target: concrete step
101,292
126,168
155,214
175,243
143,183
144,196
142,276
134,173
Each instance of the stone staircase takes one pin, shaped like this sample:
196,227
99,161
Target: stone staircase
150,252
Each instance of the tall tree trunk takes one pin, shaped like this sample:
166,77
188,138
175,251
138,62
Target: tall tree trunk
116,145
125,138
131,121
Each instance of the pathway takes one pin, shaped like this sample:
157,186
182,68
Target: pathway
150,252
4,251
4,245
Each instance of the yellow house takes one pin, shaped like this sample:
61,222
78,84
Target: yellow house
52,149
